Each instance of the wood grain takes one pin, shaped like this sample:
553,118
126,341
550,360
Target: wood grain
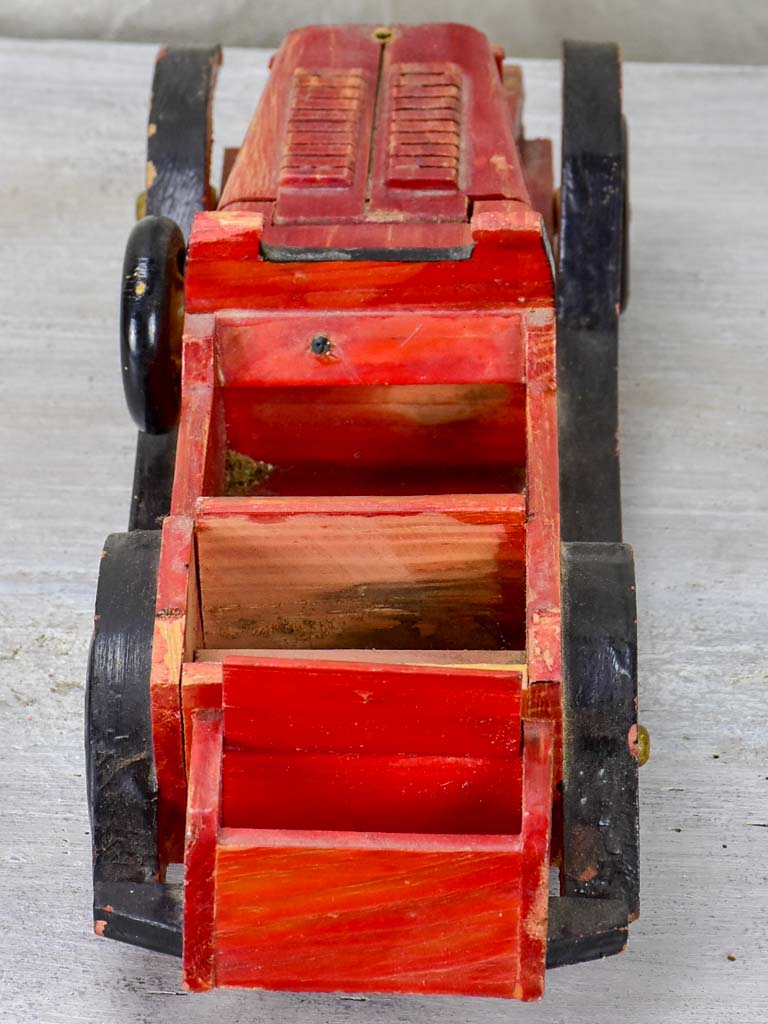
270,350
694,464
444,570
364,910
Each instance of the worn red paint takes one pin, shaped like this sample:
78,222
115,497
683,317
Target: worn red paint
348,824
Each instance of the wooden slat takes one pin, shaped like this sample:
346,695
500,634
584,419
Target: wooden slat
201,680
498,660
537,167
174,590
200,691
200,446
372,792
477,509
543,531
537,821
367,920
470,428
282,706
203,814
388,572
390,912
266,350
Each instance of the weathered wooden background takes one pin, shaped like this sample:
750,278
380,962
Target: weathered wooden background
694,394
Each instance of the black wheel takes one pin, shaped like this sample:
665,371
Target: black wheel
118,746
151,323
130,903
178,165
591,286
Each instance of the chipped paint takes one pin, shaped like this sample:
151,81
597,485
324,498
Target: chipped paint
171,635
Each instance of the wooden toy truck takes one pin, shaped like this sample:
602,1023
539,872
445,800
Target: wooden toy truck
365,660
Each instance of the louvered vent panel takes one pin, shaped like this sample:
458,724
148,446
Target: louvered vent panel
321,143
425,126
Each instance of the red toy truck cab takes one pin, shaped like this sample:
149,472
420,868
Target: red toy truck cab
356,692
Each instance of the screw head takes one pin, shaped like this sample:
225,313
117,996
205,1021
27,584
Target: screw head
320,345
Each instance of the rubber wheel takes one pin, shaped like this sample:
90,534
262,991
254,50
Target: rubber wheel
151,323
122,790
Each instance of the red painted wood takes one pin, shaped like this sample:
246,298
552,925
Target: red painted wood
277,706
410,500
475,509
200,691
199,467
372,792
201,680
508,268
172,643
389,912
431,427
442,134
202,831
514,95
543,503
537,809
257,172
544,701
468,113
370,747
358,239
537,167
437,921
265,350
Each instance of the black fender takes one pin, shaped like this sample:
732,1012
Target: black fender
131,902
600,869
592,262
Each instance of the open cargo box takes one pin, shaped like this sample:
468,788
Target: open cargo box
369,827
379,796
363,829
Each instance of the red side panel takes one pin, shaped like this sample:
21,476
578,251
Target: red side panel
317,906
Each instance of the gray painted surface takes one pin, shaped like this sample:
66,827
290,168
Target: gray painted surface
695,462
707,31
